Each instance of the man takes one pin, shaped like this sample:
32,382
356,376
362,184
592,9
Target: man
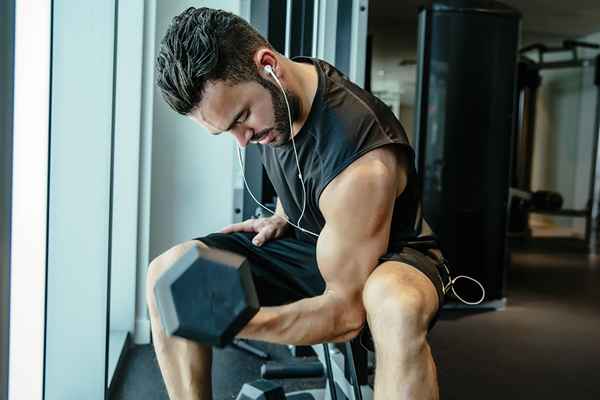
345,268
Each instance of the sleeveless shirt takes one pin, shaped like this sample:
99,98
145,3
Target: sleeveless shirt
344,123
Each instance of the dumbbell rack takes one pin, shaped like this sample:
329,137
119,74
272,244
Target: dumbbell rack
341,373
529,82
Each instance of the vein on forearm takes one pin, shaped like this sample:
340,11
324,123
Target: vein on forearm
304,322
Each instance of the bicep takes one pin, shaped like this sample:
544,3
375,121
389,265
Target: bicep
356,233
345,264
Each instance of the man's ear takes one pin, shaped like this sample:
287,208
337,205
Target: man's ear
264,57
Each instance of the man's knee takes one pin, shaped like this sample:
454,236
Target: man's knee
163,262
400,297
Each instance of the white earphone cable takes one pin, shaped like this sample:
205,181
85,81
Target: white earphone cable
266,208
451,286
451,282
270,71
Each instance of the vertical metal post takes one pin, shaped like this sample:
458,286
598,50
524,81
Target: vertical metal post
269,18
343,30
592,222
351,362
526,153
301,29
329,372
7,30
421,99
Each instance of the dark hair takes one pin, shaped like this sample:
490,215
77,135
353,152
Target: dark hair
203,44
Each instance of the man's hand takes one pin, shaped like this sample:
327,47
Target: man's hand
265,228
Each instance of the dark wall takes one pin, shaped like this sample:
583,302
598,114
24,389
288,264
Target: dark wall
301,31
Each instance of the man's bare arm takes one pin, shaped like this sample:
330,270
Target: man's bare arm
357,208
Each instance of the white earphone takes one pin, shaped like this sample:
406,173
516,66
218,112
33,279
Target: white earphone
269,70
450,285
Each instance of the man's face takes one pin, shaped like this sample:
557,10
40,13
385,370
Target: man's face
253,111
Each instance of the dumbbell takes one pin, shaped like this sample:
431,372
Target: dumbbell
207,296
261,390
266,390
523,202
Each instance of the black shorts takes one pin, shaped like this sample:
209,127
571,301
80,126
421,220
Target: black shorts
285,270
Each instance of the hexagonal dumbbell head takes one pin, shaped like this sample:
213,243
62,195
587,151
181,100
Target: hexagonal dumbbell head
261,390
207,296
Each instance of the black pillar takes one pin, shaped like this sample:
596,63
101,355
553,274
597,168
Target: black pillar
466,110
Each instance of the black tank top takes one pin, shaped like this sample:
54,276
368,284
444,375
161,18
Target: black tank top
344,123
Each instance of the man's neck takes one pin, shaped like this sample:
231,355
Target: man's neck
306,81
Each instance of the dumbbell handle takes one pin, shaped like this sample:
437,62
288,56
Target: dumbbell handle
241,345
313,369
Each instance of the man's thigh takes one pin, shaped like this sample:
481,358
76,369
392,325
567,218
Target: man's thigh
411,271
428,266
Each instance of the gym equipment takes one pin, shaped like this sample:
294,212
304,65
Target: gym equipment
523,202
464,113
345,365
261,390
265,390
546,200
242,345
207,296
275,370
301,351
530,78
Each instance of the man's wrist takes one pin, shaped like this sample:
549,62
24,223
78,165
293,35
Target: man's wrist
279,218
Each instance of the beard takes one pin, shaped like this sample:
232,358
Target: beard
280,111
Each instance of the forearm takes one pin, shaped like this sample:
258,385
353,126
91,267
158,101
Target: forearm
304,322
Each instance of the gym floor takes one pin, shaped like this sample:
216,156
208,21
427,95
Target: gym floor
544,345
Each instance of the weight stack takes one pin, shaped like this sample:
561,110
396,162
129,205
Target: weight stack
464,122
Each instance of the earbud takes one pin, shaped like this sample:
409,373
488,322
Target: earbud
269,70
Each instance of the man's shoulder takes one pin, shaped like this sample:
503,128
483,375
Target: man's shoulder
379,169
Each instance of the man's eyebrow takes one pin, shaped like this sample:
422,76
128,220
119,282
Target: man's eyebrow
239,114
